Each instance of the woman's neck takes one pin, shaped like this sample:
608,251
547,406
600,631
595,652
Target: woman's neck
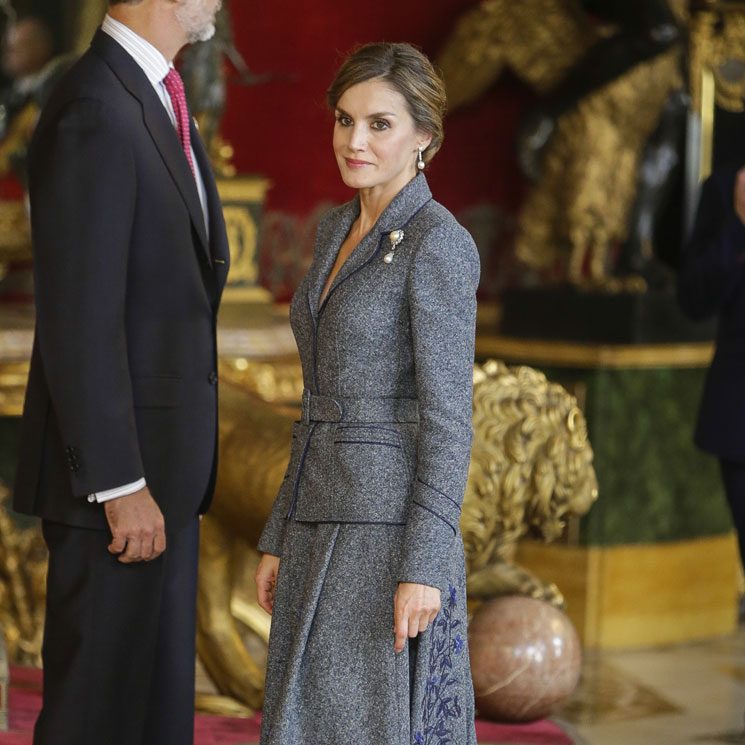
374,200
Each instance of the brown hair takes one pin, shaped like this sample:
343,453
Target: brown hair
406,70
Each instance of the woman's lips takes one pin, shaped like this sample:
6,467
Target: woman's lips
352,163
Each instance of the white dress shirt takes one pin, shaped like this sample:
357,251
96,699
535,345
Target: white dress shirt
156,67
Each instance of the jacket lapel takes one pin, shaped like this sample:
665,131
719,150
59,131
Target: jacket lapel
158,124
396,215
218,239
327,249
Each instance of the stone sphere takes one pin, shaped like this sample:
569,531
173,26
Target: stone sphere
525,658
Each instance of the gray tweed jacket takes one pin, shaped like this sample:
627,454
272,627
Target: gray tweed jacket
385,435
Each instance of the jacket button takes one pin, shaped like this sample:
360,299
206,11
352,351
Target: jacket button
212,378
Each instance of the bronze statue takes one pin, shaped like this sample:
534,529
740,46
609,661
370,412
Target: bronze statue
589,137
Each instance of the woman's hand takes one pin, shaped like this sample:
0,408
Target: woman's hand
414,607
266,581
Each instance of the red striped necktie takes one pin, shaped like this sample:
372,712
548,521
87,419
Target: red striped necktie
175,87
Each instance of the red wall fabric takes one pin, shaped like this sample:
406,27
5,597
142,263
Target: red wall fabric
282,129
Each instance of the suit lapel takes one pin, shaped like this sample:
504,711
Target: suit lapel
158,124
218,240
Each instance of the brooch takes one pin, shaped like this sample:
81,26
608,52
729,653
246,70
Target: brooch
395,238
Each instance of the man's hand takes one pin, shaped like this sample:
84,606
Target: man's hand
266,581
414,608
739,198
137,527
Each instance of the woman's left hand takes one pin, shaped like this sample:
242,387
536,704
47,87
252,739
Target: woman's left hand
414,608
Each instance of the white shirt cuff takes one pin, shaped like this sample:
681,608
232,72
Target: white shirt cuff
120,491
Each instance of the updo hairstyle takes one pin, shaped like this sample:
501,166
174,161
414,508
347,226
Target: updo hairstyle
406,70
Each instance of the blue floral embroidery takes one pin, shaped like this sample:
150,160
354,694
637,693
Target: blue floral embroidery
440,704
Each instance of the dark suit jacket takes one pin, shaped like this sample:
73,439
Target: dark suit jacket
711,283
123,373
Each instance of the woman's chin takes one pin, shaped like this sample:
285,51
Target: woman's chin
357,179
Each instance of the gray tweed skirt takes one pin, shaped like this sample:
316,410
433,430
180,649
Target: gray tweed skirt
333,676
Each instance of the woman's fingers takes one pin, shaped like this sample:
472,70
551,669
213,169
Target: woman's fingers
401,623
266,597
415,607
266,580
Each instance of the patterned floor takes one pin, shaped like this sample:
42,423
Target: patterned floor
683,695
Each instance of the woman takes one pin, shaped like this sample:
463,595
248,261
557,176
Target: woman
363,565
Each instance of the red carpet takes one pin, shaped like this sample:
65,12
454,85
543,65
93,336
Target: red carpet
24,702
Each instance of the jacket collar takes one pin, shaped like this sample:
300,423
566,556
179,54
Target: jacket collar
400,210
158,124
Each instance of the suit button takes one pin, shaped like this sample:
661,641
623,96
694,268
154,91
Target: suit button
212,378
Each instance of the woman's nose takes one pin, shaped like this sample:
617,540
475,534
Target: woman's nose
358,138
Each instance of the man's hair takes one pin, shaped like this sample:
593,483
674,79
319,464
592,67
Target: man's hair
124,2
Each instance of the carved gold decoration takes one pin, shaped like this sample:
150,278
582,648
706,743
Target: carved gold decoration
531,468
716,69
277,381
607,356
718,46
242,235
242,198
13,378
540,40
15,232
581,205
23,557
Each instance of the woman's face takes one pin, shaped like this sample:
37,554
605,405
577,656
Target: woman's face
375,138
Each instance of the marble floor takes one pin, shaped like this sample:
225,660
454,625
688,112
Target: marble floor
692,694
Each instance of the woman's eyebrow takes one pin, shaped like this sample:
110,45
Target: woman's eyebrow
369,116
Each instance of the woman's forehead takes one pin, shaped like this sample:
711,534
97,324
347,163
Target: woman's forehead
373,96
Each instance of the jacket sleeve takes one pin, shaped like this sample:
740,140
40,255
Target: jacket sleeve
82,193
442,307
272,536
714,256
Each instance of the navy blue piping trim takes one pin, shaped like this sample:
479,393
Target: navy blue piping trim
300,471
315,341
455,532
349,522
368,442
368,426
348,276
442,493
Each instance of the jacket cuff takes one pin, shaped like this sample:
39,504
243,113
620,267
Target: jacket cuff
431,529
272,537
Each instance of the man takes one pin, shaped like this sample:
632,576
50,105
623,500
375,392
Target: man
118,439
711,284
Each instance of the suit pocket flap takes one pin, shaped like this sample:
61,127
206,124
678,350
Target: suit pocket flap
157,391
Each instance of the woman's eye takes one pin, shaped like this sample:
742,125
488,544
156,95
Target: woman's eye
345,121
380,124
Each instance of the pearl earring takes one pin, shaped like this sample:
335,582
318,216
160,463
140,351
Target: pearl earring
420,161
